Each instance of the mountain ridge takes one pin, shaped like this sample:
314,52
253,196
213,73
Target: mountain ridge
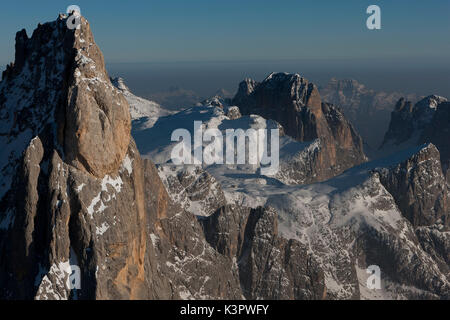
77,194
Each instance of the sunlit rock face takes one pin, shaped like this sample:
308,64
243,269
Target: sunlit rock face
73,194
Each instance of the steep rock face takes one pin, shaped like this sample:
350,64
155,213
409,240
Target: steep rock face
289,99
58,68
401,126
419,188
426,121
438,133
296,104
73,218
193,188
245,241
74,187
96,132
437,244
182,264
270,267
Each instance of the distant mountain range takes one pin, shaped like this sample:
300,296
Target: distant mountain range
144,111
368,110
176,98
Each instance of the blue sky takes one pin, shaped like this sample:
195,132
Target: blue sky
240,30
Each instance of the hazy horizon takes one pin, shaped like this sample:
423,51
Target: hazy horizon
204,46
147,79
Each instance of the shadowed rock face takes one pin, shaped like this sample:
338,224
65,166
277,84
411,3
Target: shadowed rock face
288,99
425,122
438,133
295,103
419,188
401,126
64,68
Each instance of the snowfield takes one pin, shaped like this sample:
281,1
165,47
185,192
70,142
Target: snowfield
338,220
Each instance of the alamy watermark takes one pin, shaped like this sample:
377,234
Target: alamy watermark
374,280
209,147
73,281
374,20
74,19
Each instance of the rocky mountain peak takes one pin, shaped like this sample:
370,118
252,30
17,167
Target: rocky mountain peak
438,132
71,170
63,72
419,188
295,103
104,115
279,97
424,110
412,125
